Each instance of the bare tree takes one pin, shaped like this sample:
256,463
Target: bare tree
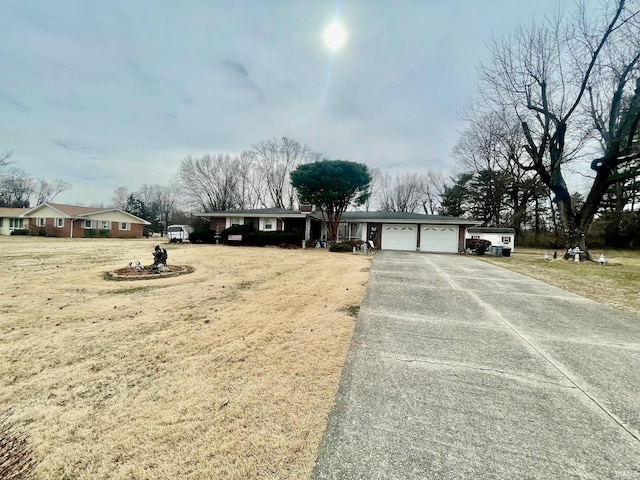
211,182
374,186
274,160
409,192
5,159
16,188
164,198
492,148
566,80
252,188
120,196
401,193
433,183
48,190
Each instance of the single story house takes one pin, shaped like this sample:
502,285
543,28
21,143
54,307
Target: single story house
59,220
499,237
387,230
267,220
10,220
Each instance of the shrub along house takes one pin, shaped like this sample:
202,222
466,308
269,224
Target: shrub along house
387,230
59,220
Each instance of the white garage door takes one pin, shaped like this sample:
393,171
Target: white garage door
439,238
399,237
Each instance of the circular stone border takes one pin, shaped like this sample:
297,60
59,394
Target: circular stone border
124,274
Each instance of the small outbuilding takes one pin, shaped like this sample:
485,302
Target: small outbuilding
498,236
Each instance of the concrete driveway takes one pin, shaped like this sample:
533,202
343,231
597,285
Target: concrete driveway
460,369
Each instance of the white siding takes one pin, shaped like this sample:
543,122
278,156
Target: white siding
398,236
439,238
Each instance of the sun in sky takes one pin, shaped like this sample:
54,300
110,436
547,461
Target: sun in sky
335,35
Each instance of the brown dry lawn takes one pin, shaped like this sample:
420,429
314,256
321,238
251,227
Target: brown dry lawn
617,283
229,372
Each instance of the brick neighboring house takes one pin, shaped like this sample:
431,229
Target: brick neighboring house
59,220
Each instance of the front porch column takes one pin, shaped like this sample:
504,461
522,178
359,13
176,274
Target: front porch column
307,228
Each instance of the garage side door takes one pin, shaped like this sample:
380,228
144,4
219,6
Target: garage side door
439,238
399,237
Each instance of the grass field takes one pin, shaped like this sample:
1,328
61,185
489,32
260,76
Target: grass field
226,373
617,283
229,372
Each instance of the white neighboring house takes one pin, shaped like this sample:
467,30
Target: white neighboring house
499,237
10,220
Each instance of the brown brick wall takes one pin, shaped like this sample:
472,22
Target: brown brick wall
50,227
136,231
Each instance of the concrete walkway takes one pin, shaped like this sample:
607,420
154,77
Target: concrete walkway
460,369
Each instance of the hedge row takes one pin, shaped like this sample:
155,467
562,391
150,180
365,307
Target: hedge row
249,237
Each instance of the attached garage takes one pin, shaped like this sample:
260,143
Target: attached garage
439,238
398,236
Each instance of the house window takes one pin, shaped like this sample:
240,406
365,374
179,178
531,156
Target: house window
40,222
15,223
105,225
342,232
125,226
59,222
237,221
355,231
87,224
506,239
269,223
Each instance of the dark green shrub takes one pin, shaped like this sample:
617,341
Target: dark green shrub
22,231
105,233
341,247
203,236
243,230
250,237
262,239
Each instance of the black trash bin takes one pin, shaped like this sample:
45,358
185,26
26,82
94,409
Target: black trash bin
506,252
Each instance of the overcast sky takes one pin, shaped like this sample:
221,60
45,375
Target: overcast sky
117,93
